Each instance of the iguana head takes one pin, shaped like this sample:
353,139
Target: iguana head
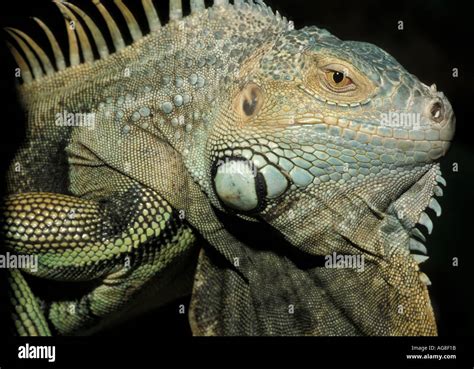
330,141
334,144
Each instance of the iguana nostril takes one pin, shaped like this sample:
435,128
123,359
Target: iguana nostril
436,111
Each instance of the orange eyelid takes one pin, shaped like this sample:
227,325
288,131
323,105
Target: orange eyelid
321,79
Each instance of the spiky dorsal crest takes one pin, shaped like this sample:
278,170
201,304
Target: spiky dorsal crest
35,63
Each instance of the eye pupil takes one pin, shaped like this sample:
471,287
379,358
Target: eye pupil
338,77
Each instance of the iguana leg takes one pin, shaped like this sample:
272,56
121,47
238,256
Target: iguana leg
120,287
27,314
78,240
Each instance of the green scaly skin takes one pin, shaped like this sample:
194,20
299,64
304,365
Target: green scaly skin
227,110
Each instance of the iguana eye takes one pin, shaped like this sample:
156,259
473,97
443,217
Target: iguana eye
249,101
337,80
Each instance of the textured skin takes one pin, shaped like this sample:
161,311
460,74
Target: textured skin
121,205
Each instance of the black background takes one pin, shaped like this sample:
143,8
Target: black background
436,38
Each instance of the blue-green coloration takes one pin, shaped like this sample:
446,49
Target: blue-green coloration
332,144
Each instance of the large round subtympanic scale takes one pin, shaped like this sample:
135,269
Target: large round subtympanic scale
235,184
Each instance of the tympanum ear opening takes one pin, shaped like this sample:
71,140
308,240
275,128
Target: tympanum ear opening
249,101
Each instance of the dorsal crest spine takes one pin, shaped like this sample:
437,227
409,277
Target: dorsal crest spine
36,64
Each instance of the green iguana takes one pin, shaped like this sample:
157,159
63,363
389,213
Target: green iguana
133,159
